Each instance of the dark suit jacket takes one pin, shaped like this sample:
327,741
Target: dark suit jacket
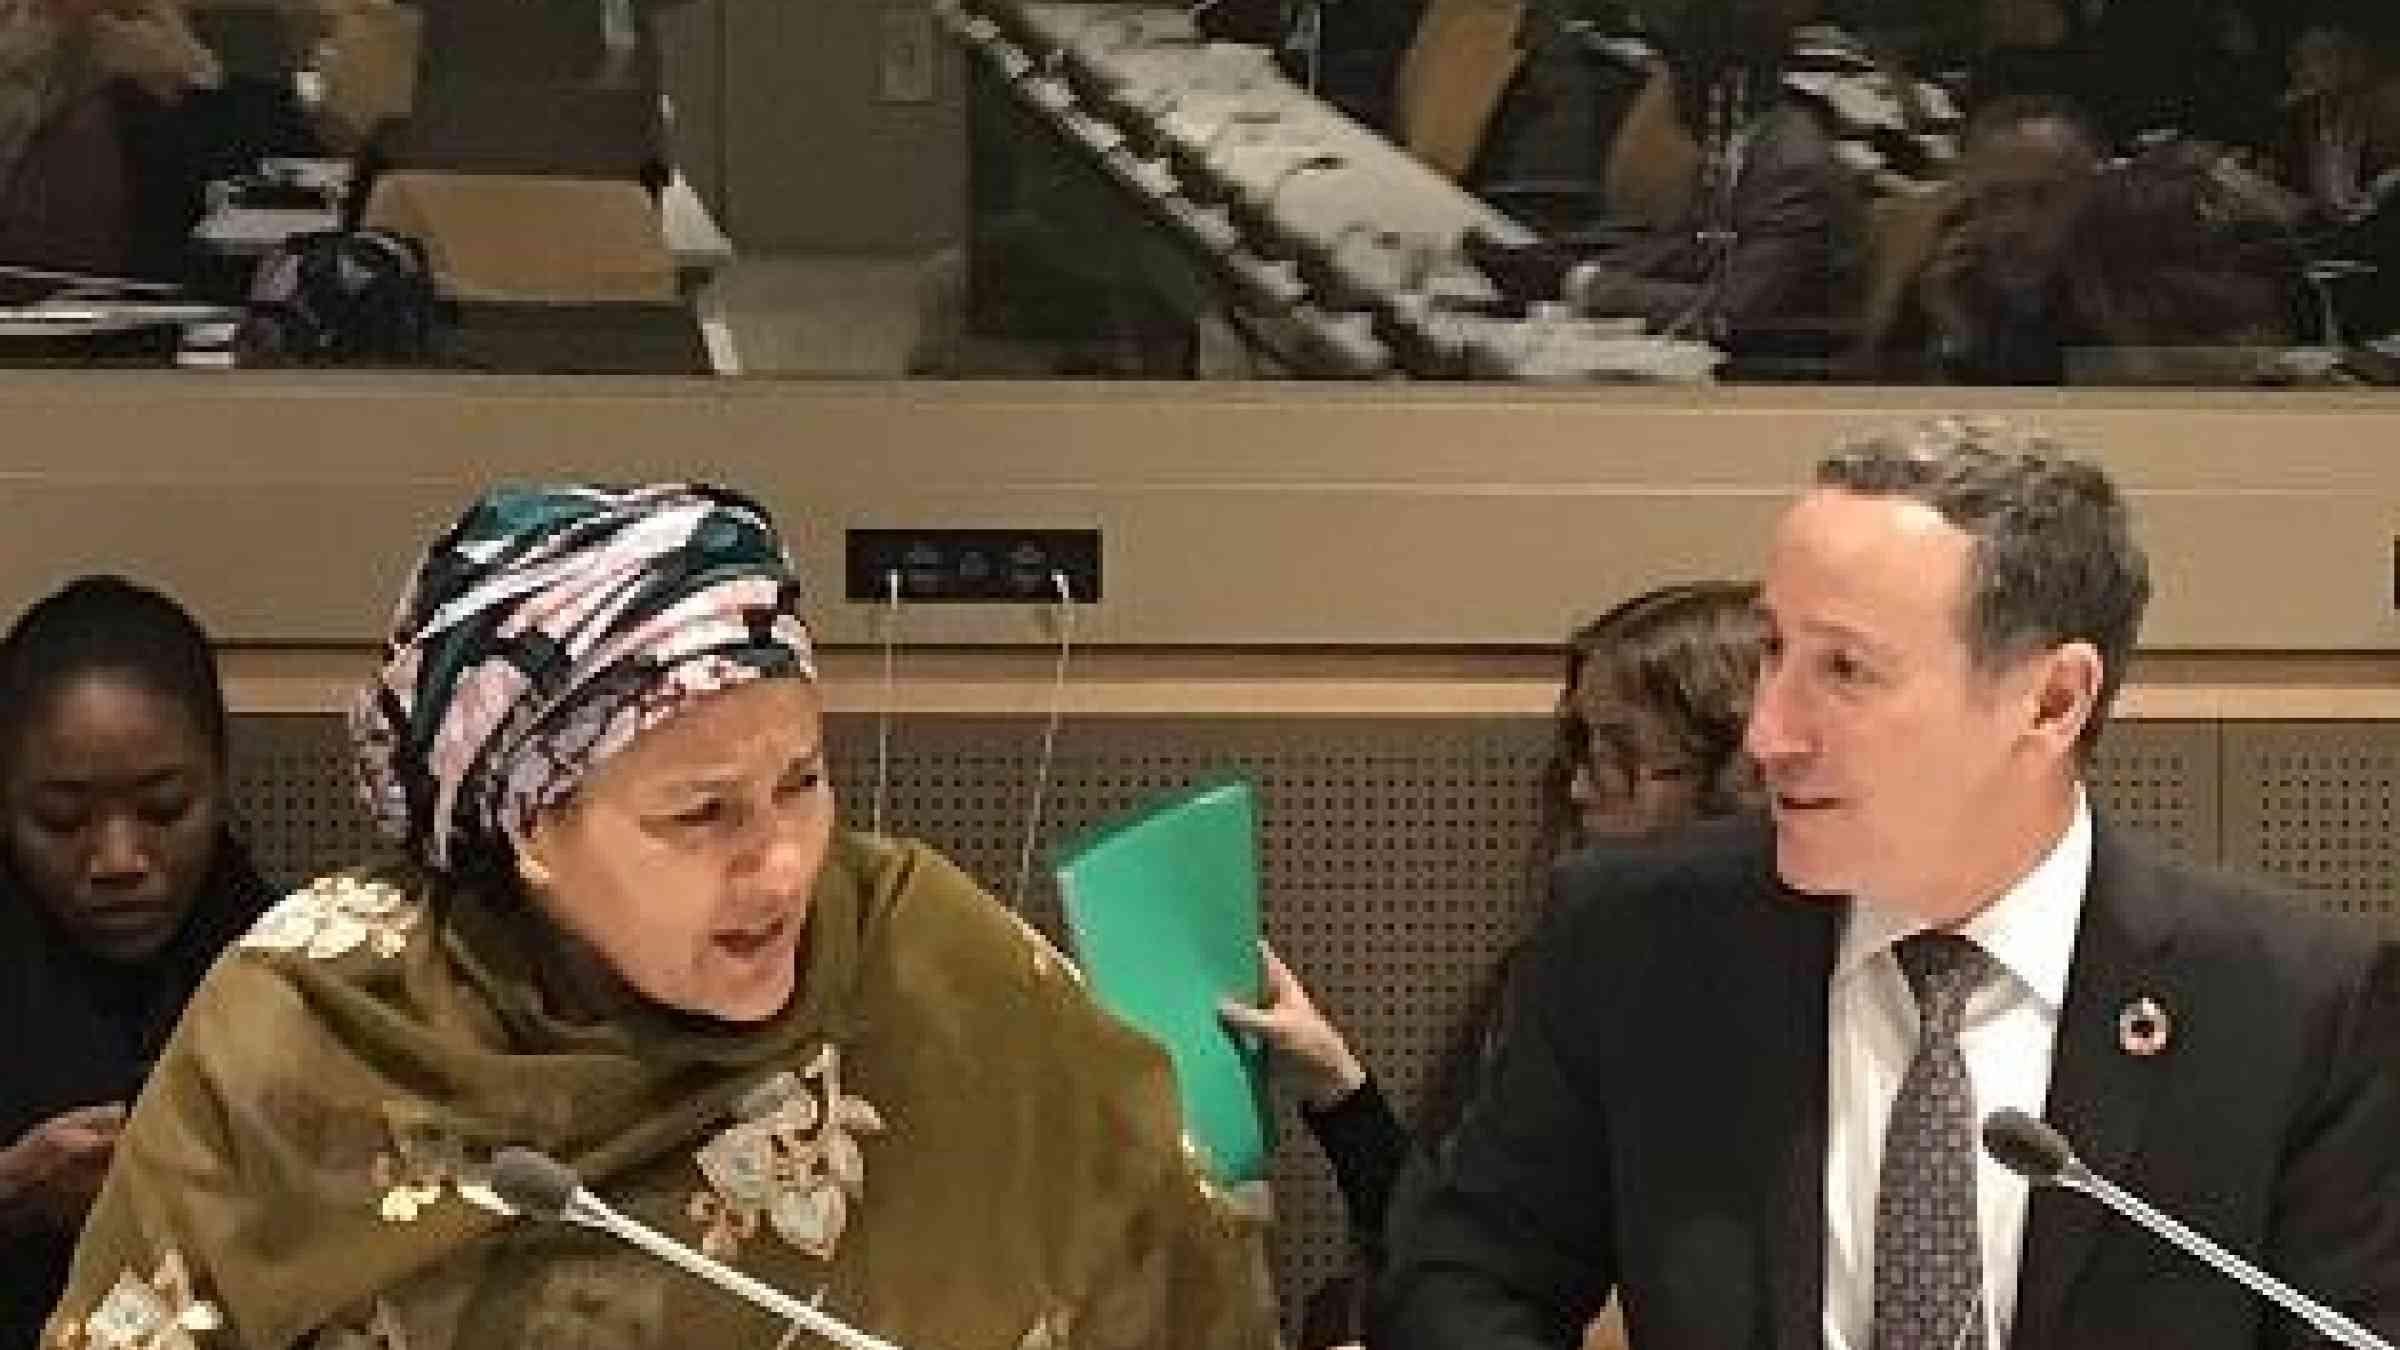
1656,1118
1797,226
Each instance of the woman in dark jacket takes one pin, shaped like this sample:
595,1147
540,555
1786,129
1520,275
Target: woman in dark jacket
1650,722
119,884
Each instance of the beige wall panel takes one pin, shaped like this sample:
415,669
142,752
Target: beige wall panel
2262,569
267,563
286,509
1039,434
1336,565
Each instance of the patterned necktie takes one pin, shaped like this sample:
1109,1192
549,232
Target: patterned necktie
1928,1263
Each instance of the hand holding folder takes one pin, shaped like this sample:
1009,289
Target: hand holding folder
1162,910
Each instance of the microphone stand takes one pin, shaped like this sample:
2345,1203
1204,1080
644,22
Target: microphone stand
589,1211
2327,1322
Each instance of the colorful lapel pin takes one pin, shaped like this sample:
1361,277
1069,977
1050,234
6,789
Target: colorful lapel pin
2144,1028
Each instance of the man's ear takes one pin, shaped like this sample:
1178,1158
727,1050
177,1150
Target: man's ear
2066,695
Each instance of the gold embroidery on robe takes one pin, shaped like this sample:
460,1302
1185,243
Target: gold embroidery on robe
161,1313
331,916
791,1160
424,1161
1054,1331
1047,958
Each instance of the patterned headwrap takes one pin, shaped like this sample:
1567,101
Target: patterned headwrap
547,629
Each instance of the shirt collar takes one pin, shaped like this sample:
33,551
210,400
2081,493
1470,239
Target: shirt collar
2030,930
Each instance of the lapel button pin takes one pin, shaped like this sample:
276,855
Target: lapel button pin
2143,1028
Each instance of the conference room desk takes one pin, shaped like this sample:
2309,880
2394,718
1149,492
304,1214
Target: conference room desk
1146,158
229,229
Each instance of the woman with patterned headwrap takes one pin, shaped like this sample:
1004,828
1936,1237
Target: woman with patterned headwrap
629,933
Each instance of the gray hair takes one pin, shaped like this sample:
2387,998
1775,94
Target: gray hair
2054,558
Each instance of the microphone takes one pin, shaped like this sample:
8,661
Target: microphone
2025,1146
541,1187
2033,1150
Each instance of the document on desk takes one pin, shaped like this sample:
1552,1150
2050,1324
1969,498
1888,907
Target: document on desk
254,232
1162,909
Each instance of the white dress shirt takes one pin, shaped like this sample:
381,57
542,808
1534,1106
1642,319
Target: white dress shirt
2008,1038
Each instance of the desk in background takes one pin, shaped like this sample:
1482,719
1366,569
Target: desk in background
586,338
700,247
1198,173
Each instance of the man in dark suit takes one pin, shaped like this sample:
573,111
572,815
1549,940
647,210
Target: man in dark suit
1745,1072
1985,300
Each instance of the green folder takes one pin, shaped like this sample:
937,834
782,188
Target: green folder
1162,909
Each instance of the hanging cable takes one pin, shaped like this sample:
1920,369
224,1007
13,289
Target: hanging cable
1041,776
883,705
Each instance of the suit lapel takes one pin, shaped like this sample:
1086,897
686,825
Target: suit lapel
1804,934
2099,1093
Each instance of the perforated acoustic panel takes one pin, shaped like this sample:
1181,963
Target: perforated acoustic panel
294,798
2163,779
1394,850
2312,803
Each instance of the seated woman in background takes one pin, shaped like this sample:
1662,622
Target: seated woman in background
119,884
629,933
1650,727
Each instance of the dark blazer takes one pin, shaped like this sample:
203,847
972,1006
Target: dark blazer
77,1031
1797,228
1656,1118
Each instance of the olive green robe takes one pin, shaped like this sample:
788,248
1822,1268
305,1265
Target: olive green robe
942,1138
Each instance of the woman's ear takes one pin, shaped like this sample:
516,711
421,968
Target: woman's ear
532,854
